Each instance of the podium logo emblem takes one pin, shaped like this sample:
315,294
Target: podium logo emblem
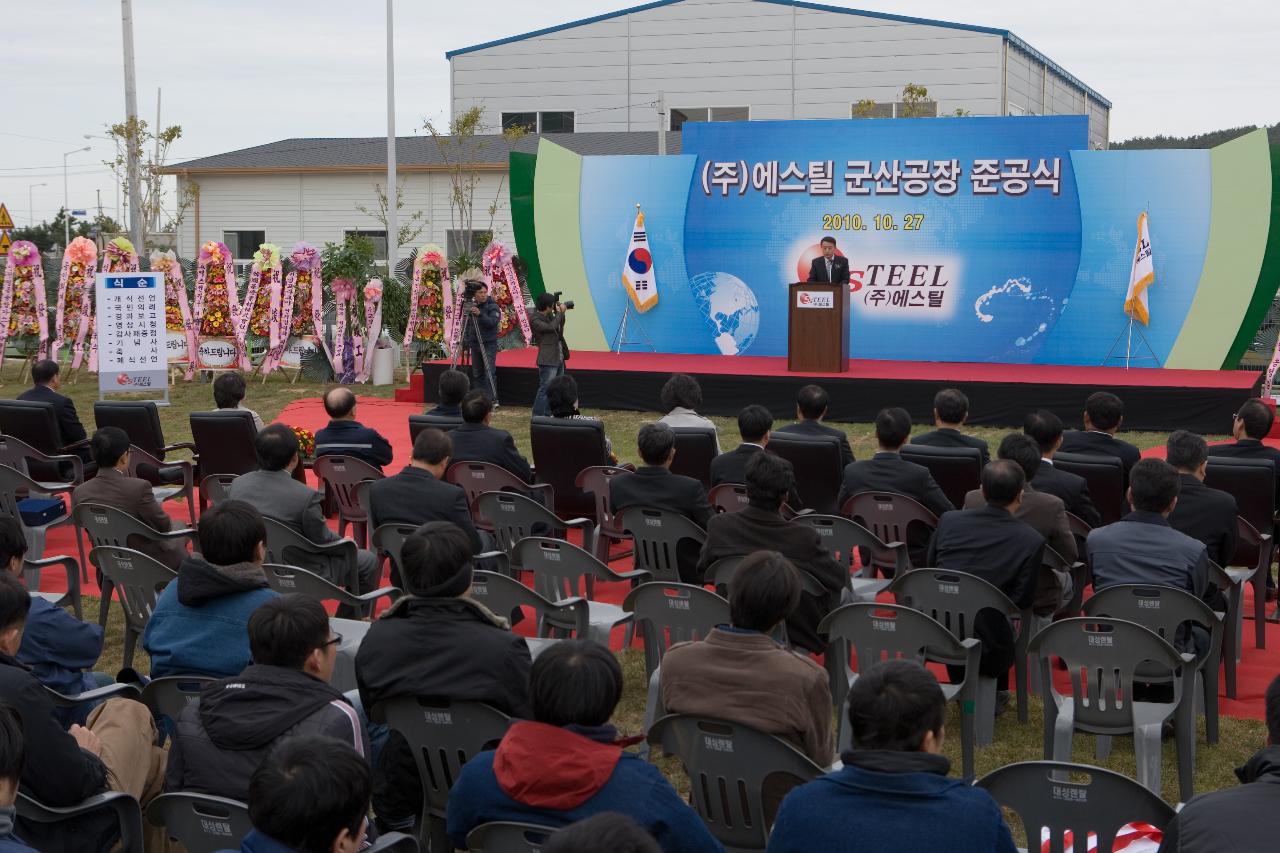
815,299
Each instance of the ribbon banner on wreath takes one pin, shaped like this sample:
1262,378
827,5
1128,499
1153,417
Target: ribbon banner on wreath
363,357
180,328
344,293
504,287
23,316
431,310
75,299
216,305
260,311
301,306
118,256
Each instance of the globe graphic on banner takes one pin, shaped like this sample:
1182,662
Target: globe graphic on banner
730,308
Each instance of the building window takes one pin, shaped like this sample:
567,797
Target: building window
528,121
894,109
680,115
461,242
377,238
243,243
556,122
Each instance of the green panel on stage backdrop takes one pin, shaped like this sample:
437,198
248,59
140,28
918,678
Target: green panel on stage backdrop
557,185
1268,277
523,168
1241,209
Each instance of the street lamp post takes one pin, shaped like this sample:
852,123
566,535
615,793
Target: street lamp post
31,210
66,205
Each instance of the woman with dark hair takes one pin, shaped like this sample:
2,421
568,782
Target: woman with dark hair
680,399
562,401
228,393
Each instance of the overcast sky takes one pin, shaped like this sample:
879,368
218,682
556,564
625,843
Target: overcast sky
237,73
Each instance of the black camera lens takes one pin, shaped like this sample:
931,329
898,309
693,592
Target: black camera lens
568,306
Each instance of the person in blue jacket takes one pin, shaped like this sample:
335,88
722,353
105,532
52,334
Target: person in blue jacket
893,792
568,764
58,647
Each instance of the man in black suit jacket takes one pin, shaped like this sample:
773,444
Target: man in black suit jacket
1251,425
760,527
653,485
811,407
950,410
1046,428
1103,416
994,545
1201,512
475,441
887,471
830,268
754,425
419,494
452,387
45,379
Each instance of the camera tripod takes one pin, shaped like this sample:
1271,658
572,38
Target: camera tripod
462,352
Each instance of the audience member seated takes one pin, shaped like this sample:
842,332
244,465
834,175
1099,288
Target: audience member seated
274,492
311,795
1046,515
12,756
115,750
681,398
562,400
223,736
45,383
759,526
811,407
1143,548
568,763
653,485
1203,513
1246,817
754,425
113,487
56,646
452,387
887,471
474,440
950,411
1251,425
1046,429
419,493
610,831
436,641
228,393
1103,417
991,543
345,436
739,673
199,624
893,792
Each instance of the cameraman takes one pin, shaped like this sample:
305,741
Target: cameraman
482,336
548,334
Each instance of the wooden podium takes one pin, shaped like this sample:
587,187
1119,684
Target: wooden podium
817,327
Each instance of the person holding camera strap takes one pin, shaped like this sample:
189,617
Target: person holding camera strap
481,337
547,323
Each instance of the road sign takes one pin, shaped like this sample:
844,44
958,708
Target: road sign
79,213
5,242
6,221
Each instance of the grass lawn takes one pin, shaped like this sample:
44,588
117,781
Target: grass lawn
1013,742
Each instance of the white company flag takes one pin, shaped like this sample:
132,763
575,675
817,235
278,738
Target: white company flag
1141,275
637,270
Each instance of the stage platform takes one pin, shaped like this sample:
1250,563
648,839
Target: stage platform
999,394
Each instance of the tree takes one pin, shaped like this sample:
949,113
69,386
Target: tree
864,108
915,101
409,230
151,150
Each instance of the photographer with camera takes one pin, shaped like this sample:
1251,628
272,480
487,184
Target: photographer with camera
482,317
548,333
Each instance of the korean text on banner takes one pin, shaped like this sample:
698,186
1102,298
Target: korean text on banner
1141,275
638,275
131,332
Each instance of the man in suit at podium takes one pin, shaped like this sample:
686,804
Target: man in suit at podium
830,268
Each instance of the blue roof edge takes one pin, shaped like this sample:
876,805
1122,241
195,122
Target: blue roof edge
594,19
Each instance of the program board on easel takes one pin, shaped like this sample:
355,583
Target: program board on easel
132,357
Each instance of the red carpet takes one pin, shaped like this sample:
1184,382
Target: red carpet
1256,669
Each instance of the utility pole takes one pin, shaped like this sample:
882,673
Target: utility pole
99,204
131,123
155,219
393,194
662,123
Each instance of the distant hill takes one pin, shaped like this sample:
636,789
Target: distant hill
1200,140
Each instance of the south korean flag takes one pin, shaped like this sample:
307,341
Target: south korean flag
637,270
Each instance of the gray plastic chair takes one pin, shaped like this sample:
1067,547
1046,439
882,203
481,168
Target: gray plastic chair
215,487
954,599
879,632
387,539
1251,564
1103,657
166,697
502,836
186,489
287,579
395,842
1043,795
595,481
201,823
888,515
137,580
670,613
19,454
125,808
117,690
514,517
503,594
728,497
842,537
559,571
657,534
31,570
285,546
476,478
727,765
1163,609
341,477
443,736
15,485
108,527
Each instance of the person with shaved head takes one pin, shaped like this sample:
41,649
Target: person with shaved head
345,436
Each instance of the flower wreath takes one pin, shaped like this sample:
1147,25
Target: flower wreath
22,306
118,256
260,312
300,301
505,289
177,311
431,315
75,298
216,300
